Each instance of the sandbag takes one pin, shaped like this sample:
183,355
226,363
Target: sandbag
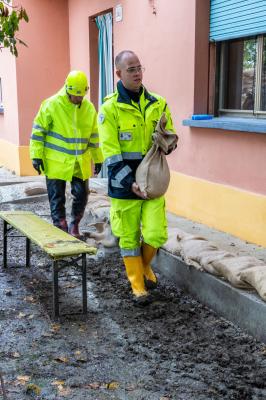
153,174
256,277
35,188
191,248
206,257
232,267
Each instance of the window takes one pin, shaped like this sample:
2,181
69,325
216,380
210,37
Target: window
242,82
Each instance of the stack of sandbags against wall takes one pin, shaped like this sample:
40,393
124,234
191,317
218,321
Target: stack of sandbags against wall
194,250
232,267
256,277
98,206
244,272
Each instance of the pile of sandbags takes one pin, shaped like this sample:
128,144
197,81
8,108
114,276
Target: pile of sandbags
102,234
244,272
98,206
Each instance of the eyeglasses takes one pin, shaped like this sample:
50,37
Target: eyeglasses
133,70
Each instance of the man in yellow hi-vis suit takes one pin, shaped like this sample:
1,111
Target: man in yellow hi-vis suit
64,140
126,122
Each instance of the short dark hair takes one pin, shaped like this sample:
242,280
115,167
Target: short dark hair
120,56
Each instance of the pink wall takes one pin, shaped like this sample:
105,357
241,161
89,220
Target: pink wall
173,46
9,120
44,64
169,61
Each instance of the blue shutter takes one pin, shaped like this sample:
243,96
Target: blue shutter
230,19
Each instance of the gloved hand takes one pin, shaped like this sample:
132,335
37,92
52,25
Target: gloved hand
97,168
37,164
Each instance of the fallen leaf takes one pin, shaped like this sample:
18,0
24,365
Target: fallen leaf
61,359
22,315
33,389
55,327
58,383
112,385
31,316
63,391
15,354
23,379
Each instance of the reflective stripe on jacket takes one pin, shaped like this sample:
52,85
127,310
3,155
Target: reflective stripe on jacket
125,130
63,134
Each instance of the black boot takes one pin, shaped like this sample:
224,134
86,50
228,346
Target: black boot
79,191
56,194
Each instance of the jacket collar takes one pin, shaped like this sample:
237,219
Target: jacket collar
123,96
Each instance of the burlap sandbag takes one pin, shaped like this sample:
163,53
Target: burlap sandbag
256,277
232,267
191,248
153,175
35,188
98,206
206,257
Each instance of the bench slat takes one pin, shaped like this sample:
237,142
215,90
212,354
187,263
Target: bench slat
51,239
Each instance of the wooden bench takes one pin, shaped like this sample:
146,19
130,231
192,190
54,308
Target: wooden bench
58,244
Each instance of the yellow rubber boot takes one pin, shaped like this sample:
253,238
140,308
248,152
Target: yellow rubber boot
135,274
148,252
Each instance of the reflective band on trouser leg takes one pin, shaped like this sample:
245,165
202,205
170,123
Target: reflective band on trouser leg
154,222
125,218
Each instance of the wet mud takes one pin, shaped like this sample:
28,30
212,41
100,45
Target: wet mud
174,348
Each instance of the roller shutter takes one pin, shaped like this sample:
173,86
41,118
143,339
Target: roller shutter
230,19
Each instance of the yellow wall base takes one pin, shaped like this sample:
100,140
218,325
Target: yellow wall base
16,158
231,210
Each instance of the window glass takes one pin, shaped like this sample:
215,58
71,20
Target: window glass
239,74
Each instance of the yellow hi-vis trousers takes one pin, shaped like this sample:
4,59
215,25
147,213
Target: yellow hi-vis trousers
134,221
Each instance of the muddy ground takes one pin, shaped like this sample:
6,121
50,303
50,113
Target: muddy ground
175,348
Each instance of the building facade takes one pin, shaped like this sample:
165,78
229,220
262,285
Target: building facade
218,172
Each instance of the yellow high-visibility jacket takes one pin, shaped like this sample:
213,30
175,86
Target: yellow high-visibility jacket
125,130
65,134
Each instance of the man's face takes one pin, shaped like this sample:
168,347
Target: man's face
75,99
130,72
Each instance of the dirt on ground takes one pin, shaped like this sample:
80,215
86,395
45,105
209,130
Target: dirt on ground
174,348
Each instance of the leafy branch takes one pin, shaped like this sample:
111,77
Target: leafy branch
10,17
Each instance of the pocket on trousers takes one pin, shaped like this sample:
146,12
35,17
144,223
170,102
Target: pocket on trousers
116,222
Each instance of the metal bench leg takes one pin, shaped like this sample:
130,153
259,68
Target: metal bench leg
27,252
84,283
55,289
4,244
